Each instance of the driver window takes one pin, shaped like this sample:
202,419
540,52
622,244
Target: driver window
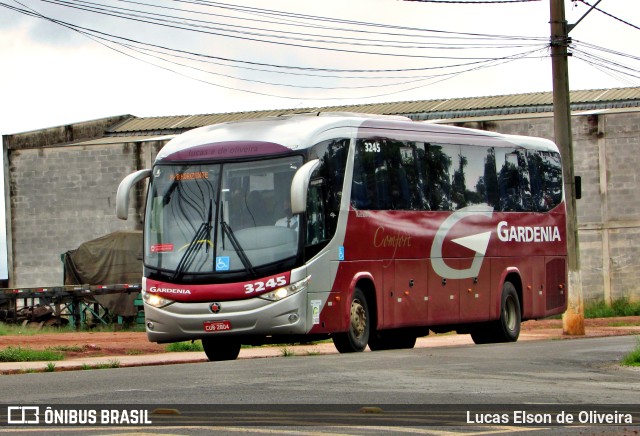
316,228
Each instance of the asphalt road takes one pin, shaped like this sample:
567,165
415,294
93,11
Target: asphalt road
582,372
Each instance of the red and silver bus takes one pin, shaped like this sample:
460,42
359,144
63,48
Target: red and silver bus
369,230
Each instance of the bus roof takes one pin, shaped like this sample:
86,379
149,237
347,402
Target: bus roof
300,131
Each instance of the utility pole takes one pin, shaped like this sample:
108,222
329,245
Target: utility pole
573,318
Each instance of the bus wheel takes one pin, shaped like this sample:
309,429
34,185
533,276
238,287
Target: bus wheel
219,348
356,338
507,328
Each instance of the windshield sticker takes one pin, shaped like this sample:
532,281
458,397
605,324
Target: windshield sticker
161,248
222,263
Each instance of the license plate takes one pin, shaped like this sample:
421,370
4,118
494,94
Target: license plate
217,326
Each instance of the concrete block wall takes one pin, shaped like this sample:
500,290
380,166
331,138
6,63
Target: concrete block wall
63,196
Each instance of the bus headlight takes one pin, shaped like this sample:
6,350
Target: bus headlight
155,300
286,291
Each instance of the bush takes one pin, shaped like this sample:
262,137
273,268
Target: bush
633,358
185,346
620,307
19,354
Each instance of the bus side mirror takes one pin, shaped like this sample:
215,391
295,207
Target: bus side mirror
122,196
300,186
578,182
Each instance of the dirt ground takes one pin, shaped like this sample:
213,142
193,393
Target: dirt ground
97,344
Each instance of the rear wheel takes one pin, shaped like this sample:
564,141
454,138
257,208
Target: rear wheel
221,348
505,329
356,338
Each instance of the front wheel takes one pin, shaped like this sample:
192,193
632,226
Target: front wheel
505,329
356,338
219,348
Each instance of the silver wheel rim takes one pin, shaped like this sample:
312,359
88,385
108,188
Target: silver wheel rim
510,314
358,319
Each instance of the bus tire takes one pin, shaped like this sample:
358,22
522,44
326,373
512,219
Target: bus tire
356,338
505,329
218,348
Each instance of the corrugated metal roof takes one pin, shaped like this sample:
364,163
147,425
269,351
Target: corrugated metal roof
536,102
123,139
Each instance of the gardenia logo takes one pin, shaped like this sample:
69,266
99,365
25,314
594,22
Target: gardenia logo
169,290
508,233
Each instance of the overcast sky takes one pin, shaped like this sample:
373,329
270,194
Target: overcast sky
52,75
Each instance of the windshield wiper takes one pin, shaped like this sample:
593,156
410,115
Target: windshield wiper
228,231
202,236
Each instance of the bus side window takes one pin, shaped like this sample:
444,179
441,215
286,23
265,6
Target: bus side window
438,161
513,181
551,179
333,160
388,175
317,231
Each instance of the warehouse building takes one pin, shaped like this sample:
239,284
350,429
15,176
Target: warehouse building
60,182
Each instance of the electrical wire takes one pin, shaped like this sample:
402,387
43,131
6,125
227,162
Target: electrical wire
611,15
179,61
124,12
248,34
335,70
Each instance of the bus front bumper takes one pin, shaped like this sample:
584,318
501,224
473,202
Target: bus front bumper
252,317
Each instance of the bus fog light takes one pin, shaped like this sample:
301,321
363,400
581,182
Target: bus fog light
293,318
150,325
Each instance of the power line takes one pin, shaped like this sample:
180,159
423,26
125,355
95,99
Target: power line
182,62
108,39
251,33
472,60
610,15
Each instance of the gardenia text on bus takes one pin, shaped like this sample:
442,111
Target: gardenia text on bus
507,233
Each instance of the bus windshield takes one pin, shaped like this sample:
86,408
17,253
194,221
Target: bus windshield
219,218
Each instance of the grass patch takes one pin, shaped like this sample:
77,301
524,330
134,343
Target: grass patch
181,347
623,324
18,330
19,354
104,365
287,352
633,358
51,366
620,307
